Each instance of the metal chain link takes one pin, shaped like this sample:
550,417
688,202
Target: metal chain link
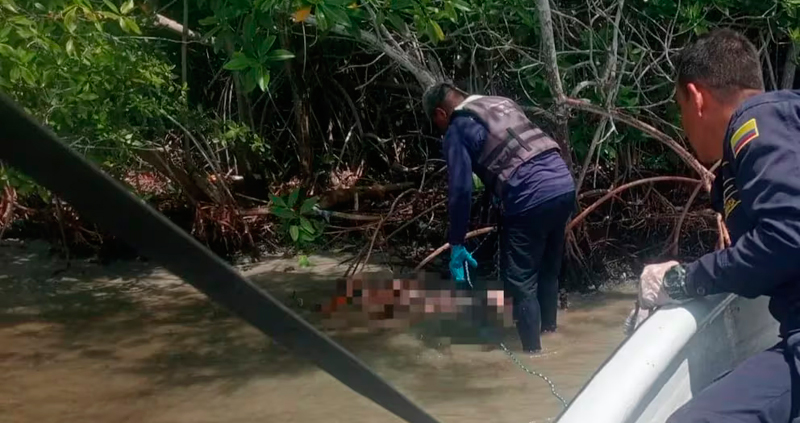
514,357
534,373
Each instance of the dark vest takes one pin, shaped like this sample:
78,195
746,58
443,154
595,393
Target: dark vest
513,139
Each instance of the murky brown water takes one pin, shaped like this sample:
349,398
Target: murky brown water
131,343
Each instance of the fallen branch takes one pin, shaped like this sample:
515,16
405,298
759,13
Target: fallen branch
621,188
445,247
336,197
263,211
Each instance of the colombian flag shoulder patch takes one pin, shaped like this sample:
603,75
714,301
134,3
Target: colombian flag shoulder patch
743,136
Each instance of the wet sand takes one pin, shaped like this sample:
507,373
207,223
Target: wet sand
129,342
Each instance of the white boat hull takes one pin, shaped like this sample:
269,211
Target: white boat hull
672,356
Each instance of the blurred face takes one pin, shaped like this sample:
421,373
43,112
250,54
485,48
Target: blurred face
704,121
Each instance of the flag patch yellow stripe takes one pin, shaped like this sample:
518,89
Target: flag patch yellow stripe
743,136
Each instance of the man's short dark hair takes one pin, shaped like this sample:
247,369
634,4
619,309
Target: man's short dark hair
724,61
435,95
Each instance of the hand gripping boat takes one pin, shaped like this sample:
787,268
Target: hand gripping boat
671,356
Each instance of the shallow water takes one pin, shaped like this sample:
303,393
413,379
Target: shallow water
130,342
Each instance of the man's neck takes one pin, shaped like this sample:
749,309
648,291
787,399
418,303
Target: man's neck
467,100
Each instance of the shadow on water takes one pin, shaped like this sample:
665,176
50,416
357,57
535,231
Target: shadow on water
104,313
134,320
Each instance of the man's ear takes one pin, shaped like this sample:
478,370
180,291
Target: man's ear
696,98
440,118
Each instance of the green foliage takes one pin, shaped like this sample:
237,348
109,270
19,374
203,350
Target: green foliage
246,30
72,65
297,217
477,185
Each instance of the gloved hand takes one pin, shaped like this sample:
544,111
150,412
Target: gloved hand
458,256
652,292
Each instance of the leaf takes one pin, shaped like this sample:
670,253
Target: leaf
265,45
460,5
293,198
794,34
71,20
70,46
238,62
263,79
27,75
450,12
278,201
111,6
477,184
109,15
283,213
397,22
126,7
308,205
14,74
10,6
304,237
437,31
249,29
280,55
134,27
211,20
336,15
402,4
294,231
248,79
123,24
307,226
322,20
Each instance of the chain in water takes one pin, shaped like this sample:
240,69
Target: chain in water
534,373
516,360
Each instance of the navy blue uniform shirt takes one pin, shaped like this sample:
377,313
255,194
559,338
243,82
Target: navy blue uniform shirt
544,177
757,190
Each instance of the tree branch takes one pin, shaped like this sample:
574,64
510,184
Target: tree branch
424,76
549,49
789,67
687,157
167,23
621,188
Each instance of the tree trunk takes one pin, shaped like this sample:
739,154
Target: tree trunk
789,68
305,150
561,132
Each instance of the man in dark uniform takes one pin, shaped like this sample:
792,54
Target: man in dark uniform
727,116
521,166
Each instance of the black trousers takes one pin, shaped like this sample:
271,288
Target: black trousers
763,389
531,249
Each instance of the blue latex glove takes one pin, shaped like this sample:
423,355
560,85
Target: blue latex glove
458,256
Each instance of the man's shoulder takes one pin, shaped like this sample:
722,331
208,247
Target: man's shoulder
768,105
770,115
464,121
